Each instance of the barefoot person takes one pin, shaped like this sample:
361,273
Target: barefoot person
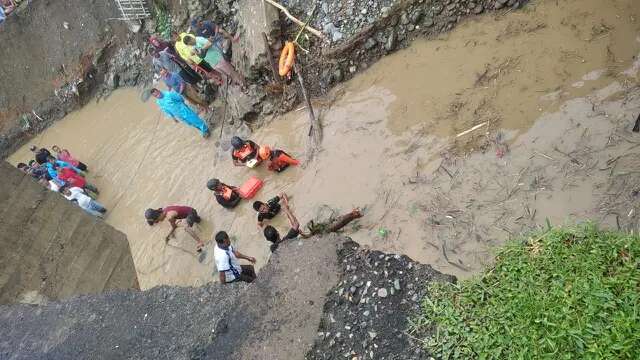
172,104
273,236
227,264
175,215
84,201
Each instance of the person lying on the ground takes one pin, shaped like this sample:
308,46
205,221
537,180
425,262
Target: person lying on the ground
49,184
83,200
38,171
212,55
65,155
226,257
226,195
70,178
165,60
41,155
268,210
279,160
172,104
243,151
53,166
273,236
176,83
175,216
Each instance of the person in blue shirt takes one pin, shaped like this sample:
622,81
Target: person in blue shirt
176,83
216,34
172,104
53,165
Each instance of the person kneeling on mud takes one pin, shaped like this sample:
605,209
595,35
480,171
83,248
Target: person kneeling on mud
227,264
280,160
173,214
273,236
268,210
226,195
243,151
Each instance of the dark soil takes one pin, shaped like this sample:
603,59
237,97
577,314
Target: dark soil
367,313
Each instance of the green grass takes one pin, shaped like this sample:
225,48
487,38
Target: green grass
564,294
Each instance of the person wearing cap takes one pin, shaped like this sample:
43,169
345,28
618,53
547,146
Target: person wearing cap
226,256
227,196
176,215
243,151
172,104
279,160
268,210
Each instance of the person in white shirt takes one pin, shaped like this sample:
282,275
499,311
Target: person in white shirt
227,256
83,200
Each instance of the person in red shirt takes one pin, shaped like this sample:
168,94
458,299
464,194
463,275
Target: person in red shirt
73,179
174,214
279,160
243,151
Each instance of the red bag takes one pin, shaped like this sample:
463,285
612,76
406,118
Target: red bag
250,188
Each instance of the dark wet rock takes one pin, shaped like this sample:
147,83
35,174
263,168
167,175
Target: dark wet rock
390,44
370,43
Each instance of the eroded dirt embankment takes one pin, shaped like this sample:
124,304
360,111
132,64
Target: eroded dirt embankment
277,317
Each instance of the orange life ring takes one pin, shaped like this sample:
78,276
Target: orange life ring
287,58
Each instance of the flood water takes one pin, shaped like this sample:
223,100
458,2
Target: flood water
382,130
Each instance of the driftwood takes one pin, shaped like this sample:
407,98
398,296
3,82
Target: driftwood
288,14
335,225
315,132
272,62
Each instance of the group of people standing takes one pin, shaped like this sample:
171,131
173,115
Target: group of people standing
188,62
243,153
61,172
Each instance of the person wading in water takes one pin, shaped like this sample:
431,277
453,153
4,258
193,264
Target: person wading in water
173,214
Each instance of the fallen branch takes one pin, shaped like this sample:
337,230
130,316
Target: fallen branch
472,129
295,20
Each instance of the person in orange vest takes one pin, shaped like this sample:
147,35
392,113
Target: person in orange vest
226,195
243,151
279,160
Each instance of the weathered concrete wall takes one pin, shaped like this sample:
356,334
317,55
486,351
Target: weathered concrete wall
50,247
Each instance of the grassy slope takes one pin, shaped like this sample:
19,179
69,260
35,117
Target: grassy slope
564,294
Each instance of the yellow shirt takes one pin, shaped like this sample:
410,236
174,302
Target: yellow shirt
186,52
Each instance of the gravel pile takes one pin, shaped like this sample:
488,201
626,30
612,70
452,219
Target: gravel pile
368,311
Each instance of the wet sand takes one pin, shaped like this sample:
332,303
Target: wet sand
386,133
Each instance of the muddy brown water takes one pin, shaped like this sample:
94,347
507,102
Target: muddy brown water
385,134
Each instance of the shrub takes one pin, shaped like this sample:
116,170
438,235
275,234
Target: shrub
563,294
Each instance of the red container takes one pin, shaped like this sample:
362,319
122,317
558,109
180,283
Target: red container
250,188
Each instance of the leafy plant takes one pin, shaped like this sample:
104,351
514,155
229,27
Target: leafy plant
163,19
563,294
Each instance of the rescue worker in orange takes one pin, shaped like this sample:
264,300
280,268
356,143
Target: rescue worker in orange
226,195
243,151
279,160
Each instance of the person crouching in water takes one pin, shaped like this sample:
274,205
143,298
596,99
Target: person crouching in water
273,236
244,152
279,160
173,214
226,195
268,210
227,264
84,201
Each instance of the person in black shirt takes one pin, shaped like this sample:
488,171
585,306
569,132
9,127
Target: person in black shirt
41,155
268,210
273,236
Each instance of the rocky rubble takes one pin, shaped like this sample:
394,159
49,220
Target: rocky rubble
368,311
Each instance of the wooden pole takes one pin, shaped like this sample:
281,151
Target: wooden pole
315,132
288,14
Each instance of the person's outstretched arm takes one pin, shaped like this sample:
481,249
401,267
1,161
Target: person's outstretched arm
239,255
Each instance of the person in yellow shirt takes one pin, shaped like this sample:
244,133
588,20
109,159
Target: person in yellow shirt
190,56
